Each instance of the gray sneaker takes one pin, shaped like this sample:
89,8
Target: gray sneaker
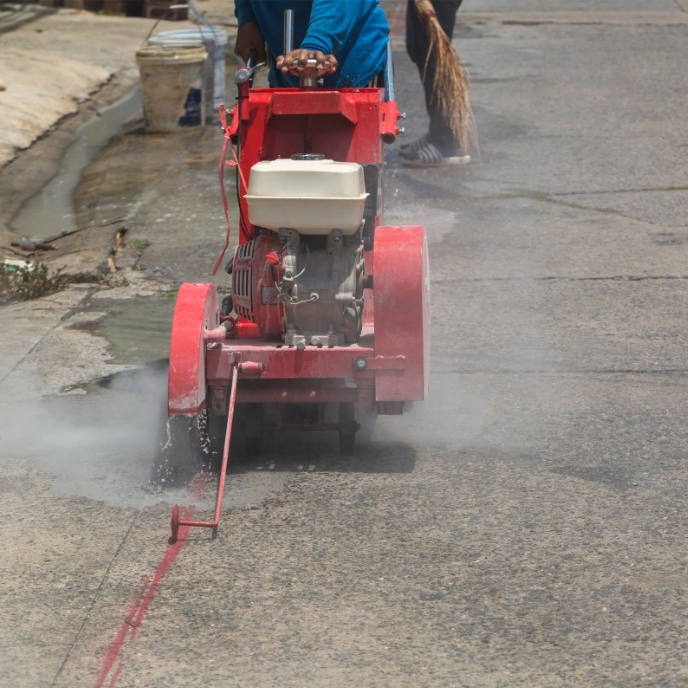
413,146
431,156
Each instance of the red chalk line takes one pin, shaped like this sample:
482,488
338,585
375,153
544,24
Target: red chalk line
134,618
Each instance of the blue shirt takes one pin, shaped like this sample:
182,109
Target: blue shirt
354,31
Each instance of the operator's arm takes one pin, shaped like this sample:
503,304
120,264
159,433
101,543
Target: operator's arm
333,23
249,36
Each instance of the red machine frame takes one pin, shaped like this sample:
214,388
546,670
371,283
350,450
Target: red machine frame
213,358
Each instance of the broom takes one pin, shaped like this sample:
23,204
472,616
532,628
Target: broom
450,86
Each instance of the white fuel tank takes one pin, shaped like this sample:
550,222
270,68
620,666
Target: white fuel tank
312,196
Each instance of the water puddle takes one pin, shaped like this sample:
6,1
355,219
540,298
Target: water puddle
137,330
51,212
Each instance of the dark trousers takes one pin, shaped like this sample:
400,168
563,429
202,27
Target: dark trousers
418,46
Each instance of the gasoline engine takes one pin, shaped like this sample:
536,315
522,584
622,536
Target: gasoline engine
302,277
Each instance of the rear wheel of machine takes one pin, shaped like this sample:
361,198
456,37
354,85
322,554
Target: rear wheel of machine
179,455
367,421
253,426
347,429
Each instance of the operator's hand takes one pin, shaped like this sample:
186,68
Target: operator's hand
250,41
294,63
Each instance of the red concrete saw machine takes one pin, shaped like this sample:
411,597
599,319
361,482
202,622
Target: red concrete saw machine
328,318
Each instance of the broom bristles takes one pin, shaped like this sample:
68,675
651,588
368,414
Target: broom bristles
450,86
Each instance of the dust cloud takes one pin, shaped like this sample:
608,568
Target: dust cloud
97,443
452,414
507,413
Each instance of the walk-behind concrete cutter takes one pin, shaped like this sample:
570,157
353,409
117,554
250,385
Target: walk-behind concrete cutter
328,318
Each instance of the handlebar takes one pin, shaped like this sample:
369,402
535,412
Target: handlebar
312,62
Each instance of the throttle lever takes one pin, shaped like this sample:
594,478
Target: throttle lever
245,73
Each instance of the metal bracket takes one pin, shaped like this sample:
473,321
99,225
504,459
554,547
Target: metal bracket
381,363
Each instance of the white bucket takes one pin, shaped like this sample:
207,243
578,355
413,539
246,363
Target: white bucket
172,86
215,42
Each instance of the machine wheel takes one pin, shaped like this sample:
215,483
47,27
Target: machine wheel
253,426
401,310
367,422
179,455
196,310
347,429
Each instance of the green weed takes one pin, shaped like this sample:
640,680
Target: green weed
20,283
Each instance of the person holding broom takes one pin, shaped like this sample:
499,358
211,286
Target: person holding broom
429,32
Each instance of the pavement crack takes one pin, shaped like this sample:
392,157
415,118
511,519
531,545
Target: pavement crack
82,306
4,378
95,599
559,198
560,372
556,278
601,192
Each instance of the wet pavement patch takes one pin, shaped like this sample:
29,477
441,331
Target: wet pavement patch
50,212
127,380
137,330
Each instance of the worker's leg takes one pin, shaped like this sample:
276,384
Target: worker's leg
440,131
418,47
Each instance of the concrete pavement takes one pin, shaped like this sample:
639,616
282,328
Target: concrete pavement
525,527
